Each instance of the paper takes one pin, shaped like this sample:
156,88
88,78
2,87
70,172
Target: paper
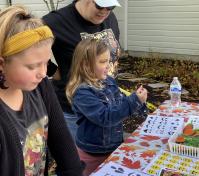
169,160
171,172
161,126
194,120
114,169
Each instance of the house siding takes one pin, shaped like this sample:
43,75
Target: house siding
38,7
3,3
164,26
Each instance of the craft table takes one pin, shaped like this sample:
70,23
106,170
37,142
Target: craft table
138,150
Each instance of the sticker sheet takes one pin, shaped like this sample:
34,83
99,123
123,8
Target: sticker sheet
169,160
114,169
171,172
161,126
194,120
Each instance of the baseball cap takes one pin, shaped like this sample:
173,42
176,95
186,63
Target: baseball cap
107,3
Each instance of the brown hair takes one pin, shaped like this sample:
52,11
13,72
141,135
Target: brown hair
82,69
15,19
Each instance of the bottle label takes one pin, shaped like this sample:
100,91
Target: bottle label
175,90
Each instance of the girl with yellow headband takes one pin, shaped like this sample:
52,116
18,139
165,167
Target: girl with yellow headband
31,120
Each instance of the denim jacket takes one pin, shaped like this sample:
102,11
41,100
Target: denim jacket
100,113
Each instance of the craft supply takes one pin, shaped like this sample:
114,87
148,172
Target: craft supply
169,160
185,141
161,126
171,172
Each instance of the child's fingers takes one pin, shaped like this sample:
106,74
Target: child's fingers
138,86
141,90
142,94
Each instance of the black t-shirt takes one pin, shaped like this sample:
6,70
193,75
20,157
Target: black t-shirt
31,124
68,25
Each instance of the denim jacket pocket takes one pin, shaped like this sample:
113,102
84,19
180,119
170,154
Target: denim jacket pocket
116,134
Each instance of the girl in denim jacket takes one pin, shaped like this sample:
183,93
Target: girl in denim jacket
98,103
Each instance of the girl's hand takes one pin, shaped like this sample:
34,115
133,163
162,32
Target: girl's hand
141,92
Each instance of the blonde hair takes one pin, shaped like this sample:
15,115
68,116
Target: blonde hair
83,62
15,19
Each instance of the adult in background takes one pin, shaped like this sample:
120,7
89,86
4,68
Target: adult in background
80,20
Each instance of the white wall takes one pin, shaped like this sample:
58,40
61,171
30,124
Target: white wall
2,4
166,26
38,7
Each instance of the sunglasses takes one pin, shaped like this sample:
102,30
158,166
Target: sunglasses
107,8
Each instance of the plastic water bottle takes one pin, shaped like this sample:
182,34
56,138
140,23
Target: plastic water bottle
175,93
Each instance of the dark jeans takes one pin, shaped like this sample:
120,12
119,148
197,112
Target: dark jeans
71,120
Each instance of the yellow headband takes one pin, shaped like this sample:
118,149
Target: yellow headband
25,39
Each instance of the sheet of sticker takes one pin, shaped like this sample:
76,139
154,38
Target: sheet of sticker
171,172
161,126
169,160
114,169
194,120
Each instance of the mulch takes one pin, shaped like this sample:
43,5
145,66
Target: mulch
155,95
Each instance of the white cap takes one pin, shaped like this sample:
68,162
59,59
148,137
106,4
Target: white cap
107,3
